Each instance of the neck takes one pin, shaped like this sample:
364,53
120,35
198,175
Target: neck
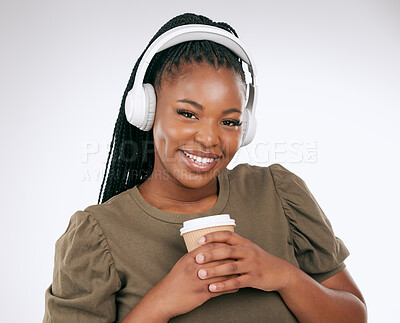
173,191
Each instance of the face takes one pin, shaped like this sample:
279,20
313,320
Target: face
197,127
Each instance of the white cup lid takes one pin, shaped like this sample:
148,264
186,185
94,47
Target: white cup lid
207,221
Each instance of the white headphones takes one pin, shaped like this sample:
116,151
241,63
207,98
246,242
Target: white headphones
140,104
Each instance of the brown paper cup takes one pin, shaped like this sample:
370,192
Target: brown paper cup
192,236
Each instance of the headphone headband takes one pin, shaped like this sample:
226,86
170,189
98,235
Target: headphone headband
190,32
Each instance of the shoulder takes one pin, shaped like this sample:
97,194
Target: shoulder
90,229
113,208
286,181
273,180
81,245
83,231
246,173
245,170
253,181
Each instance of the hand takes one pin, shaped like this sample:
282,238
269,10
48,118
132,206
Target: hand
257,268
181,290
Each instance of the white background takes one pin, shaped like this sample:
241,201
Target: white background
328,74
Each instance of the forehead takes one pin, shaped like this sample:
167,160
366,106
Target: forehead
201,73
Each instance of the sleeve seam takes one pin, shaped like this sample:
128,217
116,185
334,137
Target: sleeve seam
283,208
107,247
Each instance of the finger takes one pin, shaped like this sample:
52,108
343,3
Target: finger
216,263
229,237
214,294
227,252
208,246
231,268
219,279
230,284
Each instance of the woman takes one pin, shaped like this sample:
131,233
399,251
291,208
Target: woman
124,260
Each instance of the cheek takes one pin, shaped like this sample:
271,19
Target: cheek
232,145
178,131
172,134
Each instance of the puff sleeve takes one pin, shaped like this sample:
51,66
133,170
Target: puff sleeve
85,281
318,251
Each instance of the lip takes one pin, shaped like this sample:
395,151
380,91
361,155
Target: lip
201,153
198,168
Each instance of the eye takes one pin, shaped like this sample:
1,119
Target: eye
232,123
186,114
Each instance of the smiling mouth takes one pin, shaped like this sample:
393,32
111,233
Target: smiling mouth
199,160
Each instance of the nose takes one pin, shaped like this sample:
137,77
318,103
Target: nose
207,135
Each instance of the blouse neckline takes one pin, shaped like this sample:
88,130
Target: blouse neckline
179,218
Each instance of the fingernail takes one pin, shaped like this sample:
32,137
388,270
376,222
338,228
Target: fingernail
201,240
213,288
200,257
202,273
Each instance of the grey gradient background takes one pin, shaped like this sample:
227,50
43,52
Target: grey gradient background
328,74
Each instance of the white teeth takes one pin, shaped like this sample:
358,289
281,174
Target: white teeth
199,160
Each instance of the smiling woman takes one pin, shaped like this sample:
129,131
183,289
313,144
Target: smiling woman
187,109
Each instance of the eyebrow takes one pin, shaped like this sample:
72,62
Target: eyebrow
200,107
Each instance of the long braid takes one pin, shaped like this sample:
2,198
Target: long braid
131,157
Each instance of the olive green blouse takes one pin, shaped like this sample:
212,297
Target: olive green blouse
112,254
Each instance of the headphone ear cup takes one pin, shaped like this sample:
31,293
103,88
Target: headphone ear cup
140,107
150,105
245,126
249,128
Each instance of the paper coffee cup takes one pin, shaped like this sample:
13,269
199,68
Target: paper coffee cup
192,230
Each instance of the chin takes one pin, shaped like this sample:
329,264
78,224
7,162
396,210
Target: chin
193,180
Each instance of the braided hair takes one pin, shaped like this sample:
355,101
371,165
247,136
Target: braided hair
131,149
